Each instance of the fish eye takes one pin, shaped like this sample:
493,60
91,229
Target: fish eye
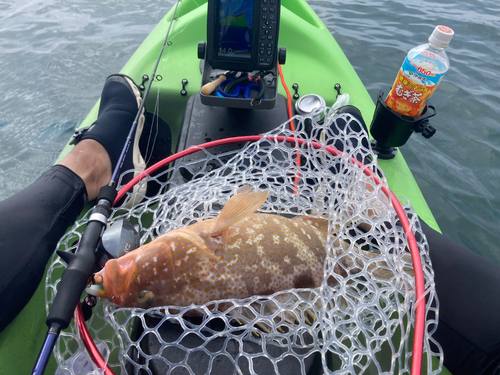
145,297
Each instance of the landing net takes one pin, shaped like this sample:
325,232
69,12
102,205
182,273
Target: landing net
359,321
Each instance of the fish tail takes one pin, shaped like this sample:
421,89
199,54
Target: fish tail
354,263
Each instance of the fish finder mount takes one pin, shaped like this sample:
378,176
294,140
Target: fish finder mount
242,41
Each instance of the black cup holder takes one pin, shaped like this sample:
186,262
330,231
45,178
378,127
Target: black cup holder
391,129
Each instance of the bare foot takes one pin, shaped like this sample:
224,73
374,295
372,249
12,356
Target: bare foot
90,160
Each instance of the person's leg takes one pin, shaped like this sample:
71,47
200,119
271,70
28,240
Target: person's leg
469,306
90,161
34,220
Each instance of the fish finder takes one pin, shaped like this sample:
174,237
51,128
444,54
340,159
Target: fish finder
242,35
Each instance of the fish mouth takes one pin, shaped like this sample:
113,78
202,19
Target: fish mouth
104,286
114,280
111,275
96,290
105,289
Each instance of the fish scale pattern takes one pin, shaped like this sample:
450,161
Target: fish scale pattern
359,321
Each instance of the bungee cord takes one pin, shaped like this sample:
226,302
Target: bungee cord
81,263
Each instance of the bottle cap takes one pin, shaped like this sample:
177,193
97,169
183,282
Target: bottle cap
441,36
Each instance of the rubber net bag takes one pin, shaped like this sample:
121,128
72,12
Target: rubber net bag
358,321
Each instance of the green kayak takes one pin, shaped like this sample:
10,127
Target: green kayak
314,61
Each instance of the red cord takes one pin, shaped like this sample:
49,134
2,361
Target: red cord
292,124
288,98
418,338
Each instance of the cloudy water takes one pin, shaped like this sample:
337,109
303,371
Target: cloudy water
55,56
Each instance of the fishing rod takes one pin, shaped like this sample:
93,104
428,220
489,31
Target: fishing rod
81,263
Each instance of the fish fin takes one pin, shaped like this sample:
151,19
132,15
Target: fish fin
378,267
245,189
224,237
244,203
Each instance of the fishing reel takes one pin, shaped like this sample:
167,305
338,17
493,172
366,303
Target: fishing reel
117,240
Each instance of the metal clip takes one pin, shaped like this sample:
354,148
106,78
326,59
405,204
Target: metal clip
78,135
184,83
295,86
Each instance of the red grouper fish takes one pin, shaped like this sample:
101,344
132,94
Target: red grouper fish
237,255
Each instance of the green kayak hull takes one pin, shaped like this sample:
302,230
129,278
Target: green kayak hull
314,60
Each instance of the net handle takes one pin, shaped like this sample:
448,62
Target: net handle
418,339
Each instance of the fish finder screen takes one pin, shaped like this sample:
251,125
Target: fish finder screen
235,28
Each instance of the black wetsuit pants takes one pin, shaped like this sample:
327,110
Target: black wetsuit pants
468,289
31,223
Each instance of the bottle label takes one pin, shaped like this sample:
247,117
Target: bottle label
413,88
420,75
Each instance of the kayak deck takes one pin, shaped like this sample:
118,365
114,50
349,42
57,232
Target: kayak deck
314,61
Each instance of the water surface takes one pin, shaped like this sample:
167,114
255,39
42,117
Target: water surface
458,169
55,56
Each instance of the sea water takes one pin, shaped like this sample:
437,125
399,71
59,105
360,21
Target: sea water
55,56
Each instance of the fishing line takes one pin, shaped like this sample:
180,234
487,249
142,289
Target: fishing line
155,126
119,164
81,263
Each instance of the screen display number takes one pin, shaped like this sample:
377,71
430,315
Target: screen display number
225,51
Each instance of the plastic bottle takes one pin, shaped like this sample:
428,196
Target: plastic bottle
420,74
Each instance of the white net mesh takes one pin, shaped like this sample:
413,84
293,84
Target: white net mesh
359,320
